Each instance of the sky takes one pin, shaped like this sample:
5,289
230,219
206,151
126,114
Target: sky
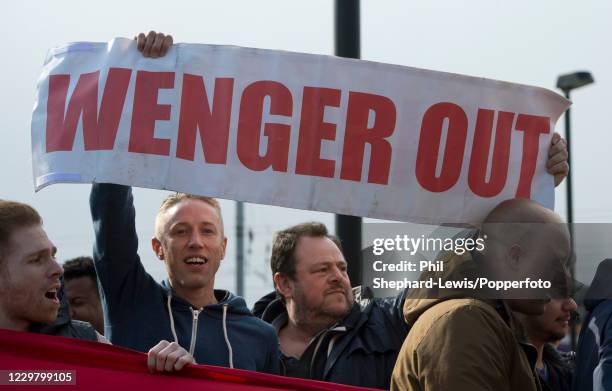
522,41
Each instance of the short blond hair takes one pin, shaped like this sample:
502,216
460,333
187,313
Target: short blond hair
174,199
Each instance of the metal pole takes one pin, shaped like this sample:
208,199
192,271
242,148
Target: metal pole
568,180
240,248
570,215
347,43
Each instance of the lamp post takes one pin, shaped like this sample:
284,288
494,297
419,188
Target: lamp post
240,248
566,83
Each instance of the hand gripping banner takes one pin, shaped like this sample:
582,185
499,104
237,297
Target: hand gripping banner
297,130
28,359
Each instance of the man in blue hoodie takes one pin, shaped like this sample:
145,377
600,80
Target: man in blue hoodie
213,325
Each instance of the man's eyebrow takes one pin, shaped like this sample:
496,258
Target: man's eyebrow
329,262
175,224
53,251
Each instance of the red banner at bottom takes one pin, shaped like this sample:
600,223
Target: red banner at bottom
30,360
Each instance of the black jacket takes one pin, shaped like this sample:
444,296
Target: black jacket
365,354
560,369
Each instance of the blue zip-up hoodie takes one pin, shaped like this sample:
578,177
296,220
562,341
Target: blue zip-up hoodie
594,352
139,312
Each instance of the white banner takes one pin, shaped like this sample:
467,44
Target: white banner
297,130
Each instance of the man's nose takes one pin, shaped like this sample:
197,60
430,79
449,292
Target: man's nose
570,305
336,273
56,269
195,240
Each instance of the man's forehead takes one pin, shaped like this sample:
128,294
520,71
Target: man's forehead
553,257
318,249
555,234
29,240
192,210
79,284
556,239
316,244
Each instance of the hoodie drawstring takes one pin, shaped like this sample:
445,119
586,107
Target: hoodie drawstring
227,342
171,318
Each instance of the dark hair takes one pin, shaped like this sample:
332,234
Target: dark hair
285,241
15,215
80,267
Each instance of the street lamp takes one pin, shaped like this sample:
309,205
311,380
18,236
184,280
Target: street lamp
240,248
566,83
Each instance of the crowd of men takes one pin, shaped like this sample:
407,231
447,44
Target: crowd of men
314,325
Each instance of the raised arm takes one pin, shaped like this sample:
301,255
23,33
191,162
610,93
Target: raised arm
117,263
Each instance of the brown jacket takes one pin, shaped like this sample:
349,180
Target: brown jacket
460,343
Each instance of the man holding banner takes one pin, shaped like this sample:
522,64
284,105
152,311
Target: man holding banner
215,325
463,335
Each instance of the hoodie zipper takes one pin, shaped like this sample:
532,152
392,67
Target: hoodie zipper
194,329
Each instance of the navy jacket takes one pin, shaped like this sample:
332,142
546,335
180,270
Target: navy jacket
560,366
594,352
139,312
365,354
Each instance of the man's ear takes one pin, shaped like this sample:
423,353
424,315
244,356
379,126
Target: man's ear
157,248
224,247
513,258
283,284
